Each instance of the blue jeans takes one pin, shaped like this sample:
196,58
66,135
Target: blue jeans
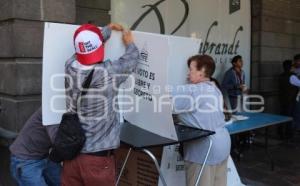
35,172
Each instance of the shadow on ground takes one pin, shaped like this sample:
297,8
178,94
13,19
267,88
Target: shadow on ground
255,167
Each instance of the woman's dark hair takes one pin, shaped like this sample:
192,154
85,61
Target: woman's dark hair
203,61
235,59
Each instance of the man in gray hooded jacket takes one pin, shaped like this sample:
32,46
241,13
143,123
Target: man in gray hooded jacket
97,110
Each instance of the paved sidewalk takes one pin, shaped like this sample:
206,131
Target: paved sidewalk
255,168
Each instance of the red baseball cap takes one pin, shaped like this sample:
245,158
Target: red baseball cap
89,44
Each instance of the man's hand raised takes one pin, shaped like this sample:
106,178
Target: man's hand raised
127,37
116,26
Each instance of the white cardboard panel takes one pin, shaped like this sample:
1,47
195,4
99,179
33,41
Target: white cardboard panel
151,70
181,48
156,51
58,47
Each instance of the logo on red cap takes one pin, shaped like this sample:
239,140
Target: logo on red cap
81,47
89,46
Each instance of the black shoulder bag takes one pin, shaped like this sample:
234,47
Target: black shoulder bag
70,136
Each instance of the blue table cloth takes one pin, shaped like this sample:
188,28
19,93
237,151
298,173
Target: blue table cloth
256,121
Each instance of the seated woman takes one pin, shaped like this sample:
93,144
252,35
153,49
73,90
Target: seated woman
199,104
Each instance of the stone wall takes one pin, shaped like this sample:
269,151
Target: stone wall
275,38
94,11
21,55
21,36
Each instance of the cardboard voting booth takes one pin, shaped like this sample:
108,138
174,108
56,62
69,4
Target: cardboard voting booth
162,63
172,166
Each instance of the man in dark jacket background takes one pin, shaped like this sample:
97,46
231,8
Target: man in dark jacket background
287,96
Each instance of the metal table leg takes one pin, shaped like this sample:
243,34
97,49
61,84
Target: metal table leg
123,166
205,160
156,164
267,149
149,153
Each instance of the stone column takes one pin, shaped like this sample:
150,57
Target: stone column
21,39
275,38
